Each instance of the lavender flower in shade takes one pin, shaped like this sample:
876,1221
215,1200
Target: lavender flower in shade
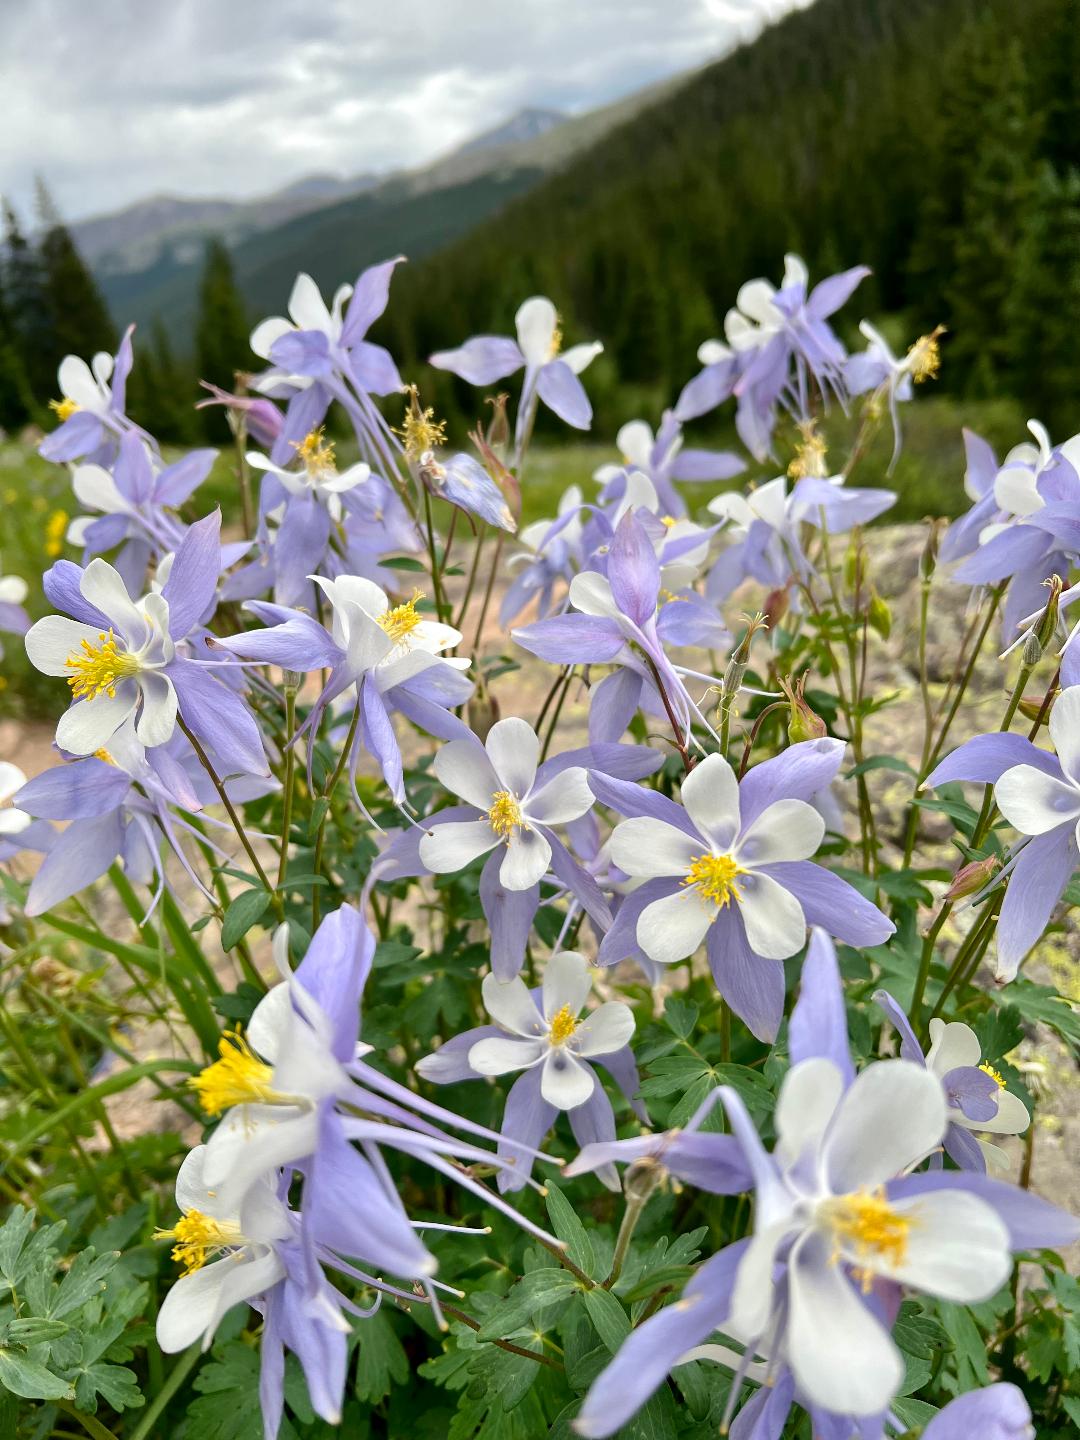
664,460
841,1228
513,812
963,535
539,1032
878,369
123,658
1039,795
713,384
261,418
975,1094
765,524
553,552
133,501
998,1412
730,867
510,912
13,618
681,545
464,483
91,410
389,657
618,622
1035,531
551,373
320,354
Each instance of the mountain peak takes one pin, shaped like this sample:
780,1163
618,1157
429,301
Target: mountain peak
527,124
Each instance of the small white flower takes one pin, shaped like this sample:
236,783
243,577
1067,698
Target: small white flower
500,780
113,672
85,387
12,819
307,311
318,474
394,642
540,339
955,1046
550,1034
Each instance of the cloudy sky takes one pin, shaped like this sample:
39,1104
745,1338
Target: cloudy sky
114,100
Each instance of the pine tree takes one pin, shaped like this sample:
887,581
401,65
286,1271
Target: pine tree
222,329
79,320
27,309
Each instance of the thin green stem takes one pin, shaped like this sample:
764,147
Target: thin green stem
327,796
289,782
175,1378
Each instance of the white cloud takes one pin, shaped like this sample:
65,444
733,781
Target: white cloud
120,99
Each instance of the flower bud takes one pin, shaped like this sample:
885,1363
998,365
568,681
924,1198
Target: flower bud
1032,652
803,723
879,615
776,606
1031,709
1047,626
928,560
971,877
643,1178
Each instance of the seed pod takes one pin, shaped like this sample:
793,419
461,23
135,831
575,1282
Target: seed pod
971,878
803,723
879,615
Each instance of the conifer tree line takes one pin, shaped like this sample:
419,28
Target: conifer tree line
936,140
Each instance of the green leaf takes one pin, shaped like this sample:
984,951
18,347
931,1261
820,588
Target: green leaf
381,1360
404,562
609,1319
918,1333
567,1226
532,1294
35,1330
914,1413
244,912
1041,1003
116,1384
680,1016
880,762
228,1403
32,1381
84,1281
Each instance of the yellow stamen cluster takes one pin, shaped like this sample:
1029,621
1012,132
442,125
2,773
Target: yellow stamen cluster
809,459
924,357
995,1075
239,1077
505,815
563,1025
668,521
198,1238
99,668
55,530
402,620
317,453
64,408
104,755
714,877
556,338
419,430
867,1222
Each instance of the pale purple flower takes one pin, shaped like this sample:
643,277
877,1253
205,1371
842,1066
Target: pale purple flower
125,659
552,554
998,1412
551,373
663,458
540,1033
975,1095
878,369
1039,795
260,417
730,867
92,404
13,618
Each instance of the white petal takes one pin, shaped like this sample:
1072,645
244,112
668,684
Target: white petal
580,357
842,1358
607,1029
13,589
1034,802
269,1023
12,821
498,1056
450,847
526,861
755,299
564,798
1065,729
711,352
567,981
892,1116
253,1140
809,1095
753,1295
774,920
192,1192
786,830
90,724
710,794
1012,1117
1016,491
49,642
565,1082
514,750
96,489
157,719
672,928
635,443
362,592
187,1310
951,1046
536,322
464,768
511,1005
11,779
307,307
590,593
102,585
957,1247
266,332
646,848
78,384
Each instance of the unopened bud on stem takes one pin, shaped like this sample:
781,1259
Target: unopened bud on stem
971,878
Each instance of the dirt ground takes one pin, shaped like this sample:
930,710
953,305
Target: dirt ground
893,668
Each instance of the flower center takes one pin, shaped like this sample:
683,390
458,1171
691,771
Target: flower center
100,668
714,877
64,408
924,357
199,1237
104,755
402,620
505,815
867,1222
995,1075
238,1077
419,430
317,453
556,339
562,1026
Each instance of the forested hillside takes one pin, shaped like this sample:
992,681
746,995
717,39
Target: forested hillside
936,140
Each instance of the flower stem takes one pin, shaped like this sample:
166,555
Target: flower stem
289,784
